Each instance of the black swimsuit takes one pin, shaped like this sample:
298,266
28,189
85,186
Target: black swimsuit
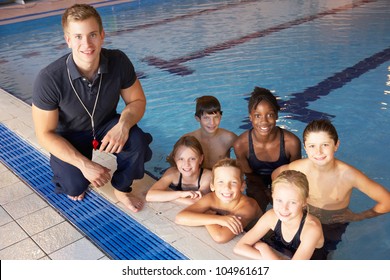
265,168
178,187
294,243
276,241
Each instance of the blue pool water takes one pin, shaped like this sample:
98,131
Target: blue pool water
322,58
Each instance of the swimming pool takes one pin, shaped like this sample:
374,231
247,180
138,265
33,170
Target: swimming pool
322,58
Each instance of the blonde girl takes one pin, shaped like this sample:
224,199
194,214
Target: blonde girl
296,233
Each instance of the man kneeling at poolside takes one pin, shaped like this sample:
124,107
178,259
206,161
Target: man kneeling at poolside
74,111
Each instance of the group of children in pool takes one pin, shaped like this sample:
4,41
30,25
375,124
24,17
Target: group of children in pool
289,207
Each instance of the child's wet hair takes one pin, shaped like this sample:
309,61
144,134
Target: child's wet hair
321,125
259,94
296,178
186,141
207,104
228,162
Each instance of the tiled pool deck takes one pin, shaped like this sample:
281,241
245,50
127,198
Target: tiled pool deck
29,227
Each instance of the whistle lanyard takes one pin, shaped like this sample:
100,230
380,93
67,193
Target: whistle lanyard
95,143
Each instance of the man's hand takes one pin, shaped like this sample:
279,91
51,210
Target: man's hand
114,140
96,174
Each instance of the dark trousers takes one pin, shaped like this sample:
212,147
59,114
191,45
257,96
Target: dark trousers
130,161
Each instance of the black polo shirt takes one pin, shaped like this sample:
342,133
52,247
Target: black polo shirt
52,90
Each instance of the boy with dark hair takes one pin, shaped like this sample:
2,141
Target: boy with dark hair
207,104
216,142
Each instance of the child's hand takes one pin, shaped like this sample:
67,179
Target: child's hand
191,194
233,223
347,216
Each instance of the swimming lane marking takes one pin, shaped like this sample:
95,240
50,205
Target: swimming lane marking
174,66
181,17
297,105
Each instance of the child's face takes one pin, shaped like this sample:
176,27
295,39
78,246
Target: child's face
188,161
210,122
227,183
320,147
263,117
288,202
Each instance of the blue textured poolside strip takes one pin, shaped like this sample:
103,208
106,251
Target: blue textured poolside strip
111,229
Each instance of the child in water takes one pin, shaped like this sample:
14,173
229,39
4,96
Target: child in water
226,211
216,141
296,233
264,147
332,182
185,181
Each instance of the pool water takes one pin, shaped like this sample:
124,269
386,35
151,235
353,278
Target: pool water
322,58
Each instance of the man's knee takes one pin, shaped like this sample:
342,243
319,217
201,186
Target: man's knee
67,178
138,141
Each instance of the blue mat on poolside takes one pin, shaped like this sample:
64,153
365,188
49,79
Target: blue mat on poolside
111,229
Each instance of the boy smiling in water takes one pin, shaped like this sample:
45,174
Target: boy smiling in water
226,211
216,142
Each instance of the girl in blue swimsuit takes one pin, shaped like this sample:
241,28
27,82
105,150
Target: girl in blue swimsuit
185,181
